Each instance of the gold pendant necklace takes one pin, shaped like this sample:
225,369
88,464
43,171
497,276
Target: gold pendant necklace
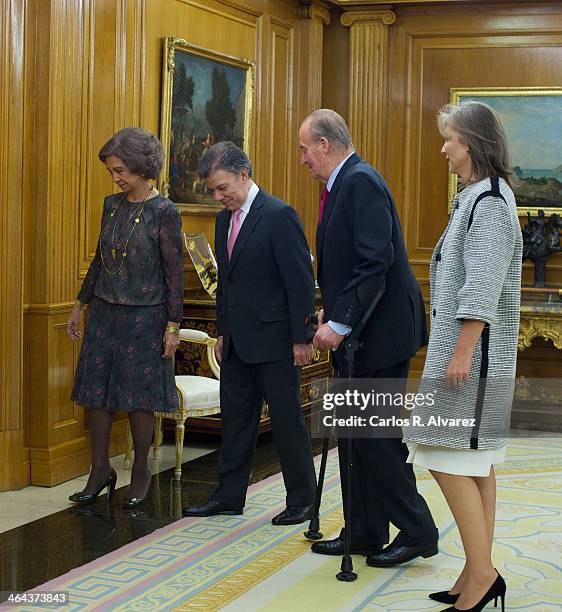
137,213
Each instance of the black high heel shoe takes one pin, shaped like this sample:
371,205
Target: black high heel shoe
444,597
90,498
497,589
134,502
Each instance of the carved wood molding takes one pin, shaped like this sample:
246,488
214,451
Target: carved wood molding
351,18
368,82
315,12
12,149
243,7
345,3
308,97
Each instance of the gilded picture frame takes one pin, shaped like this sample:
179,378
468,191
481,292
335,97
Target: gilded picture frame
206,97
203,260
532,117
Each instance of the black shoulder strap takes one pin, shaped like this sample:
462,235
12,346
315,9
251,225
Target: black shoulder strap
494,191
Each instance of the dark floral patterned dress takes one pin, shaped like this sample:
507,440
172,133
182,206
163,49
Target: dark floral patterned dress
134,286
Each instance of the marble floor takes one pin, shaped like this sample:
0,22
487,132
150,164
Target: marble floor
44,535
20,507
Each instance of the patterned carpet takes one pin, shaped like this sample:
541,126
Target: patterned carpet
241,563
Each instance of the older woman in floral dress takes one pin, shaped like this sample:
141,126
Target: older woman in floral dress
134,289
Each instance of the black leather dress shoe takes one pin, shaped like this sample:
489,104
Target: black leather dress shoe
212,507
396,553
335,547
293,515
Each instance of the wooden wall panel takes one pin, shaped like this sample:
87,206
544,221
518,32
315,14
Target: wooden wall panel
232,28
433,50
100,118
12,30
113,74
268,33
277,165
53,155
368,81
91,67
28,185
58,445
303,191
65,413
335,67
59,71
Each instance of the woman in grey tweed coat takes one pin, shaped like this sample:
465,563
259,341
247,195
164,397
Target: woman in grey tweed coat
475,278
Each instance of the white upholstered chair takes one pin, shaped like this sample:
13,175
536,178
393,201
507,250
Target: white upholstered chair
198,396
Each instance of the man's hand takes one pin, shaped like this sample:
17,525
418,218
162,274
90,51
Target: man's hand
171,342
326,337
218,349
320,315
302,353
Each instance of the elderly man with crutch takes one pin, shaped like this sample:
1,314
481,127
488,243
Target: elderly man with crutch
360,251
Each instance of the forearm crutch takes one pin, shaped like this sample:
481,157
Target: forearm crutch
313,532
352,345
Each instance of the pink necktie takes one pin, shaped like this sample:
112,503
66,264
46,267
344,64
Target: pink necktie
235,230
323,199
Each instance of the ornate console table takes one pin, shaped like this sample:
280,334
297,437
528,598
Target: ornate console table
538,401
541,316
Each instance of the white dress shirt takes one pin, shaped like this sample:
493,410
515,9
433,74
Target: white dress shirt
339,328
245,208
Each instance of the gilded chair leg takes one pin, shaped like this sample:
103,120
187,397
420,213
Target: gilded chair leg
180,432
129,450
157,436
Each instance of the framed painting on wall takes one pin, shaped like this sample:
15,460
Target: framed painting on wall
206,97
532,117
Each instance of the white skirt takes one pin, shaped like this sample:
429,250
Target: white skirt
457,461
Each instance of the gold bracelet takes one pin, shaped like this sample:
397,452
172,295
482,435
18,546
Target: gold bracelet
173,329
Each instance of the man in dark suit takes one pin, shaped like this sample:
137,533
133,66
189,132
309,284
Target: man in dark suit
360,251
264,297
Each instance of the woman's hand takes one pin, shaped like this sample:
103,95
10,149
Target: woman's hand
73,323
171,340
458,369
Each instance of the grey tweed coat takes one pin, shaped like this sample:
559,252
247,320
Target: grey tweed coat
475,273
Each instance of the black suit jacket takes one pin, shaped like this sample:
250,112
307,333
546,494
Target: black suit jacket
266,290
359,247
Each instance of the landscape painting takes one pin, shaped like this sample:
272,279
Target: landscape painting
206,98
532,117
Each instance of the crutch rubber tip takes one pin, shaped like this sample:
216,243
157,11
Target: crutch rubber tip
313,534
346,576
